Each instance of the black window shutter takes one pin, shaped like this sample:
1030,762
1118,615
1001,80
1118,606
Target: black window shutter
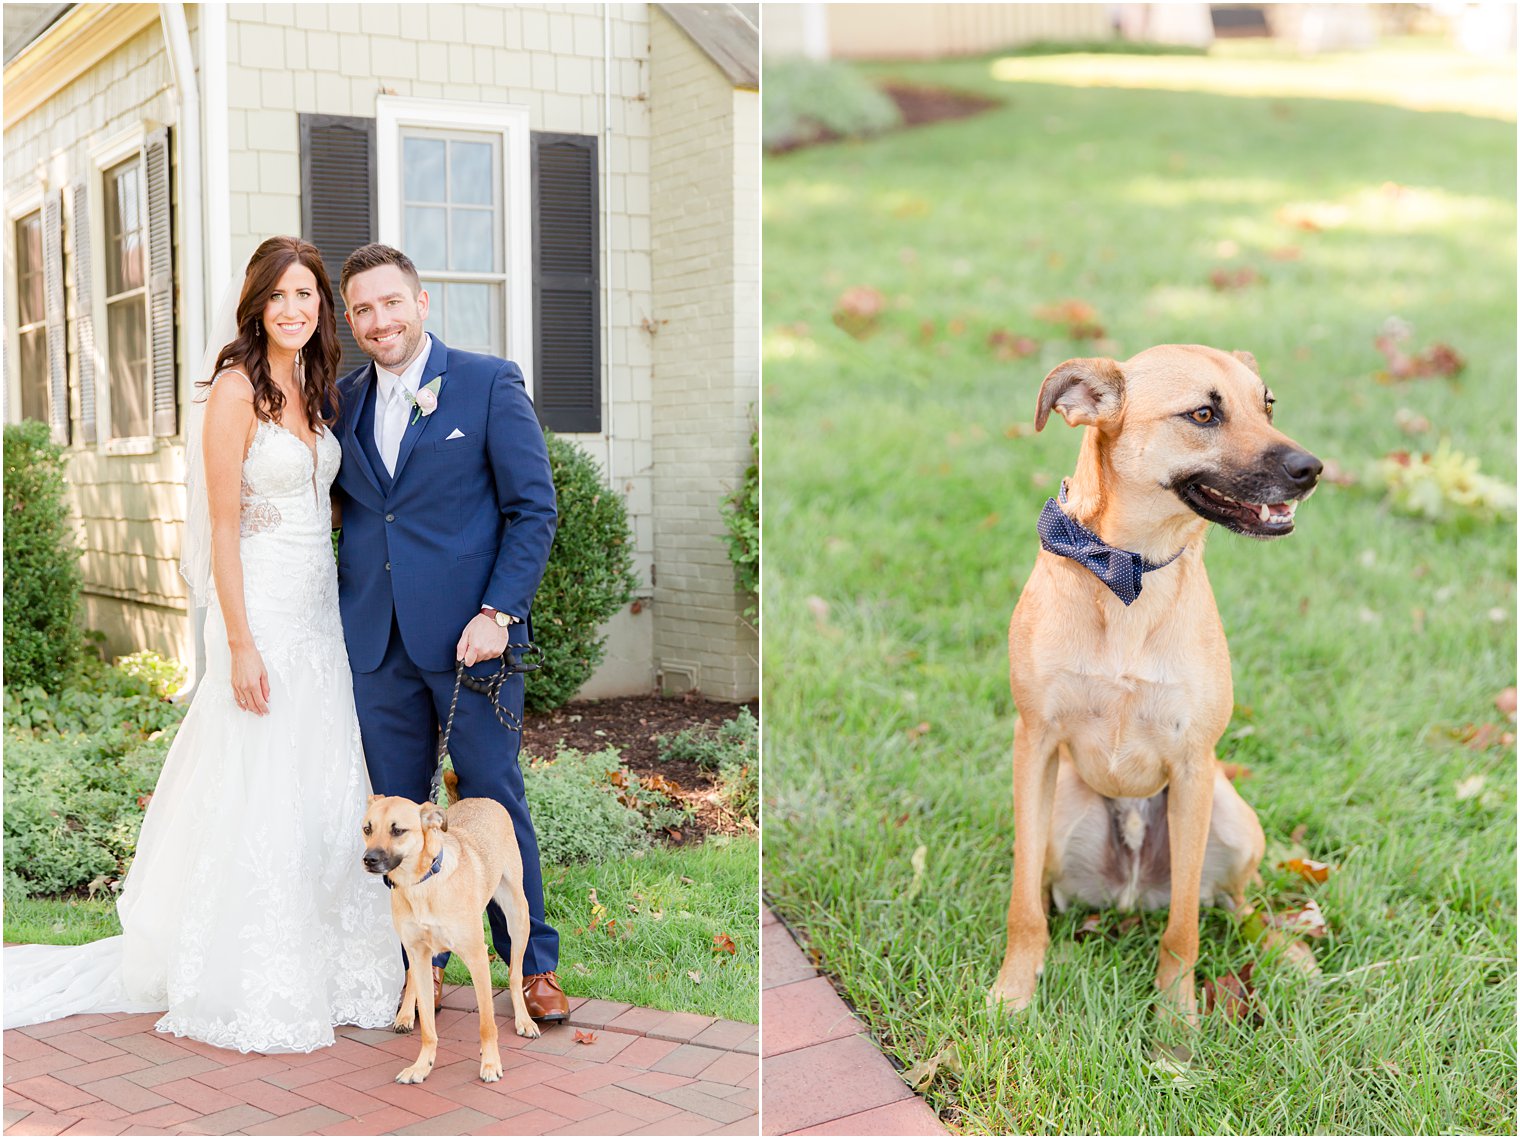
156,165
338,200
84,314
52,293
567,342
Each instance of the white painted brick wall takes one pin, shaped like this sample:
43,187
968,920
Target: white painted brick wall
120,503
699,185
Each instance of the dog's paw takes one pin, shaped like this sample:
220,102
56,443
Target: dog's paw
402,1026
490,1072
1003,1000
415,1074
526,1027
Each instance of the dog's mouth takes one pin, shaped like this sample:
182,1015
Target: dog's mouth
1244,515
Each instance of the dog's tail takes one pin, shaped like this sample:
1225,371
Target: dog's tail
451,786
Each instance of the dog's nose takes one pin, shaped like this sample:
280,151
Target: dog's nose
1301,468
373,858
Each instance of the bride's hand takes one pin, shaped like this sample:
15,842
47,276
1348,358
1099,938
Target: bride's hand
250,683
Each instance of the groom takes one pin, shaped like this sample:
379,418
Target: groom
447,514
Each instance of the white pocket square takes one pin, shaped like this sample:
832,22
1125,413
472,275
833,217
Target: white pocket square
455,434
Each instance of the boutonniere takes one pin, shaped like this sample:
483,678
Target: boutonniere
425,402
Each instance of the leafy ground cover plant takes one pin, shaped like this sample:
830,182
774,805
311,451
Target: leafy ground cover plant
1368,649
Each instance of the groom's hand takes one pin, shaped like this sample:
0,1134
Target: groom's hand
482,639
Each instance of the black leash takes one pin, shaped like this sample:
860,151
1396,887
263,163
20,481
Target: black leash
515,659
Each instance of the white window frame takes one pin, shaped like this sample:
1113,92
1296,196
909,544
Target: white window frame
511,122
27,201
109,153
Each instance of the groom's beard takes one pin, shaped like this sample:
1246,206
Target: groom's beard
395,355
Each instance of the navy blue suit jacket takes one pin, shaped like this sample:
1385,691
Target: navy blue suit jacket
465,521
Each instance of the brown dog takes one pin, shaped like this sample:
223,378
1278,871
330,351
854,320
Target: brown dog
443,867
1117,795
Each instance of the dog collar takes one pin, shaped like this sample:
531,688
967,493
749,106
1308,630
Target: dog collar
1120,570
437,866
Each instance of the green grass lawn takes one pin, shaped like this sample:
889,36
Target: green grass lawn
901,487
665,962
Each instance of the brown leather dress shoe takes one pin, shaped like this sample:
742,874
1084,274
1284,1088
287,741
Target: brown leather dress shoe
437,987
544,998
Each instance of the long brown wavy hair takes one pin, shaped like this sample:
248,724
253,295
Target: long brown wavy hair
249,350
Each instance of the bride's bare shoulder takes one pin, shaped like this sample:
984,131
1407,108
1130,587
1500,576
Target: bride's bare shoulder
230,385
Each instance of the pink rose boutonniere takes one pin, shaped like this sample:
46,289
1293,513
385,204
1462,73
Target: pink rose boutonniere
426,400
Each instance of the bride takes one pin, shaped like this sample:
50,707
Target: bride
247,913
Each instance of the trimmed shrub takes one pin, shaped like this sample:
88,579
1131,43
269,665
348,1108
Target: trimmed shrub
806,101
741,514
42,580
577,813
589,576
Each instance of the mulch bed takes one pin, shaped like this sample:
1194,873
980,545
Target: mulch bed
921,106
632,724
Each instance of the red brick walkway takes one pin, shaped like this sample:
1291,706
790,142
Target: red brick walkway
647,1072
823,1073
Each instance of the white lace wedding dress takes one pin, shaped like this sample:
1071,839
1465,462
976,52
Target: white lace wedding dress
246,913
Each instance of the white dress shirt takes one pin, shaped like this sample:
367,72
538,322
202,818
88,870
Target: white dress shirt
395,409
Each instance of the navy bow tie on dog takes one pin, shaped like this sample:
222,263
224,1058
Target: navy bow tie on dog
1120,570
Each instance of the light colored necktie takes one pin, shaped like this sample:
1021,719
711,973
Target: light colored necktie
395,427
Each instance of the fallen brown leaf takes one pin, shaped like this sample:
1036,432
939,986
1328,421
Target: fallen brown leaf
1505,702
1233,995
1471,787
1292,952
1224,280
1307,868
1307,919
920,1075
918,730
722,943
858,309
584,1037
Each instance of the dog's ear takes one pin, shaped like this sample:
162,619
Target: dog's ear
1085,392
376,798
433,818
1247,359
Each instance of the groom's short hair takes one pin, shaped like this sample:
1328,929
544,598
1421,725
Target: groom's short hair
372,256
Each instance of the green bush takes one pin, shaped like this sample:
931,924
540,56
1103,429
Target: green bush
741,514
73,807
806,101
733,741
589,576
577,813
42,581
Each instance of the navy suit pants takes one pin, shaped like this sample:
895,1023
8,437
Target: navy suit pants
401,711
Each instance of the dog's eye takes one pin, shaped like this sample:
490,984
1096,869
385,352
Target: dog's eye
368,828
396,832
1270,404
1202,415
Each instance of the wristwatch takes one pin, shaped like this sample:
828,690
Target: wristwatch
502,619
